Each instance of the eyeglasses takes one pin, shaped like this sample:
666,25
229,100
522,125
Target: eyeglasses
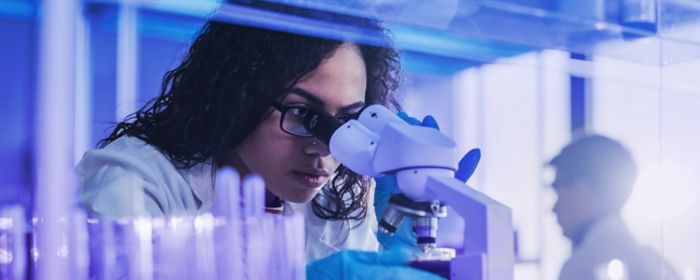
292,120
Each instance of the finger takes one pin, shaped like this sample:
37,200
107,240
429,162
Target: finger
429,121
468,164
386,183
385,187
408,119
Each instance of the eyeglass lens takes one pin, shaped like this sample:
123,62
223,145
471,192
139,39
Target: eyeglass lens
293,121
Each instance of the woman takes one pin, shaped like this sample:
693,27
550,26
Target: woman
236,100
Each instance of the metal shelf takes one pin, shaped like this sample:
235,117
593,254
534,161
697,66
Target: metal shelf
478,31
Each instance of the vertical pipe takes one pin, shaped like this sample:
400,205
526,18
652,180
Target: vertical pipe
665,273
578,91
541,156
83,94
55,135
481,120
127,57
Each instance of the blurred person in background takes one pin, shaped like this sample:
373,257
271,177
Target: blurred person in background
594,178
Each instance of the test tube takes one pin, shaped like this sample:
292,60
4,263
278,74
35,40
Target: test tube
253,196
227,201
254,229
287,252
13,253
295,249
78,245
227,225
102,249
174,253
140,248
205,259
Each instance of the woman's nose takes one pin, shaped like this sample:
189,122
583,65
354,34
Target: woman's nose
316,147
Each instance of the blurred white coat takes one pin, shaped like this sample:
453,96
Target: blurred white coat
606,244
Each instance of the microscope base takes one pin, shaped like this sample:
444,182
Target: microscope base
461,267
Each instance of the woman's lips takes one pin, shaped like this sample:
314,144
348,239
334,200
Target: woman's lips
309,180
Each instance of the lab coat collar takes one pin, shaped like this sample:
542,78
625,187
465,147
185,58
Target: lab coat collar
323,237
201,179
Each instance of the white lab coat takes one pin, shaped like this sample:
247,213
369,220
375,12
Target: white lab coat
130,177
607,240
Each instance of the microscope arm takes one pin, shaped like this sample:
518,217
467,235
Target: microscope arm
489,237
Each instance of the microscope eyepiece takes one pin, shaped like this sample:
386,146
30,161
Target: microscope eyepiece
321,124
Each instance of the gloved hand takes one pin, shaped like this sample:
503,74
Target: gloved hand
404,238
351,264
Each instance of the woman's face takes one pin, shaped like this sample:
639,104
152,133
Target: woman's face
295,168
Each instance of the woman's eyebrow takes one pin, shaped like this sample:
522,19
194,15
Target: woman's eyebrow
315,101
308,96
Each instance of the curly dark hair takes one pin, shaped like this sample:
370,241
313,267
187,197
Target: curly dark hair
225,87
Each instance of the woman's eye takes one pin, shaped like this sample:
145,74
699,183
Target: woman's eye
299,111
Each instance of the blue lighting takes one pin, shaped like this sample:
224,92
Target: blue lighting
177,31
18,9
441,43
416,62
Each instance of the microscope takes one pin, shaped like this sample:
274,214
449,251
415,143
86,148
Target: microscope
380,143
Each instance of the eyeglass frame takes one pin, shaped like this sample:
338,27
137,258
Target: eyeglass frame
283,110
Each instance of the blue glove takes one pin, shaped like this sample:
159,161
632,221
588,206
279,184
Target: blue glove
351,264
467,165
404,238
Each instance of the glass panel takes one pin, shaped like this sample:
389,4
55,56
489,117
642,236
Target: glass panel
516,111
678,207
495,74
